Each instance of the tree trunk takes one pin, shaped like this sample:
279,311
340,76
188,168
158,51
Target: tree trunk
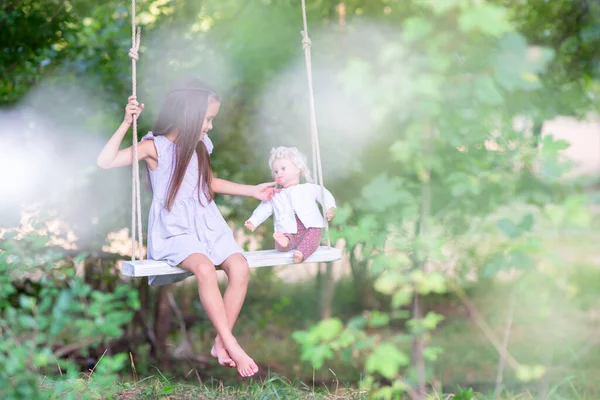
502,360
327,290
162,322
418,359
362,281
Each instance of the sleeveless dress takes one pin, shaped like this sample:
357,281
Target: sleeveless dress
194,225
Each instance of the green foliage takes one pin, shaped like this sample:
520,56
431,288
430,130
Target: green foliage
466,394
38,324
28,54
449,160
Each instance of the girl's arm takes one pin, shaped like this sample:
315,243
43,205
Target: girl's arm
112,157
264,191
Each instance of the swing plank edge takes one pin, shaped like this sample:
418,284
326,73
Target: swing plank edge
256,259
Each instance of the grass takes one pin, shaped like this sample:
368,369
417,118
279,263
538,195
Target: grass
275,387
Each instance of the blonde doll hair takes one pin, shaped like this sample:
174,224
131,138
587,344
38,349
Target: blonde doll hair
292,154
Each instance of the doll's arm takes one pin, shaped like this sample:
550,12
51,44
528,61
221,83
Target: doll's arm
260,214
329,200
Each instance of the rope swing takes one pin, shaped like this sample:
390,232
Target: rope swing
262,258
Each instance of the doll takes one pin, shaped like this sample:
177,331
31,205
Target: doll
298,222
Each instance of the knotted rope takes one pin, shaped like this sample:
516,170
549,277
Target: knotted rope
316,153
136,208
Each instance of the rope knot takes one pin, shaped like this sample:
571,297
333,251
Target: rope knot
133,53
306,42
135,47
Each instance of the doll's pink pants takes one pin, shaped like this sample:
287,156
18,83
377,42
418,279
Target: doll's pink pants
306,241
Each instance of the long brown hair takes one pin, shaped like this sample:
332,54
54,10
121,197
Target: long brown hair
184,110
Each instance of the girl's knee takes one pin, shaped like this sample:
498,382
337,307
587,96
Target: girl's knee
236,268
239,270
204,270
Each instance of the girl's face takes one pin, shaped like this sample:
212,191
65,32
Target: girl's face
285,172
211,112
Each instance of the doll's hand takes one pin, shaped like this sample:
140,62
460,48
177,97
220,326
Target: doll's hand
330,214
133,109
265,191
249,225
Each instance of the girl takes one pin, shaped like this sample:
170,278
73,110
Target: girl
298,222
185,226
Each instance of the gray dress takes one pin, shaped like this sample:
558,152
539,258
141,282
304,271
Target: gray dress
192,226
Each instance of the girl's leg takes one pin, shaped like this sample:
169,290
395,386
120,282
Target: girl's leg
236,268
210,297
310,242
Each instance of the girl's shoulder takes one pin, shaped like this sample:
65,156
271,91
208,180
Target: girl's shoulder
208,143
154,145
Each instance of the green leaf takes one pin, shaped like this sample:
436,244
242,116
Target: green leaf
358,322
529,373
402,314
466,394
462,184
515,63
347,337
378,319
300,336
328,329
318,354
42,358
526,223
384,192
387,283
415,28
442,7
486,18
342,215
431,320
402,297
508,228
487,91
80,258
433,282
166,390
386,359
26,302
402,151
431,353
516,259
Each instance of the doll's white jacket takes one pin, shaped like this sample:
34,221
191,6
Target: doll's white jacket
297,200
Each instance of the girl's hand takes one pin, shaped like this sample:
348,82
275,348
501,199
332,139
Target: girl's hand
330,214
265,191
132,110
249,225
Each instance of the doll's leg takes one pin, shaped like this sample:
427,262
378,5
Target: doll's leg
284,241
289,241
309,243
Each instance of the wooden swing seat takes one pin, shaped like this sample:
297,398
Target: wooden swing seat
256,259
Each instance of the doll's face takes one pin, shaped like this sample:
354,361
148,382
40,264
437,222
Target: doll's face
285,172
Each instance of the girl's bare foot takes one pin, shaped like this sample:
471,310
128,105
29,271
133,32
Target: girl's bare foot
220,353
298,257
245,365
281,239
